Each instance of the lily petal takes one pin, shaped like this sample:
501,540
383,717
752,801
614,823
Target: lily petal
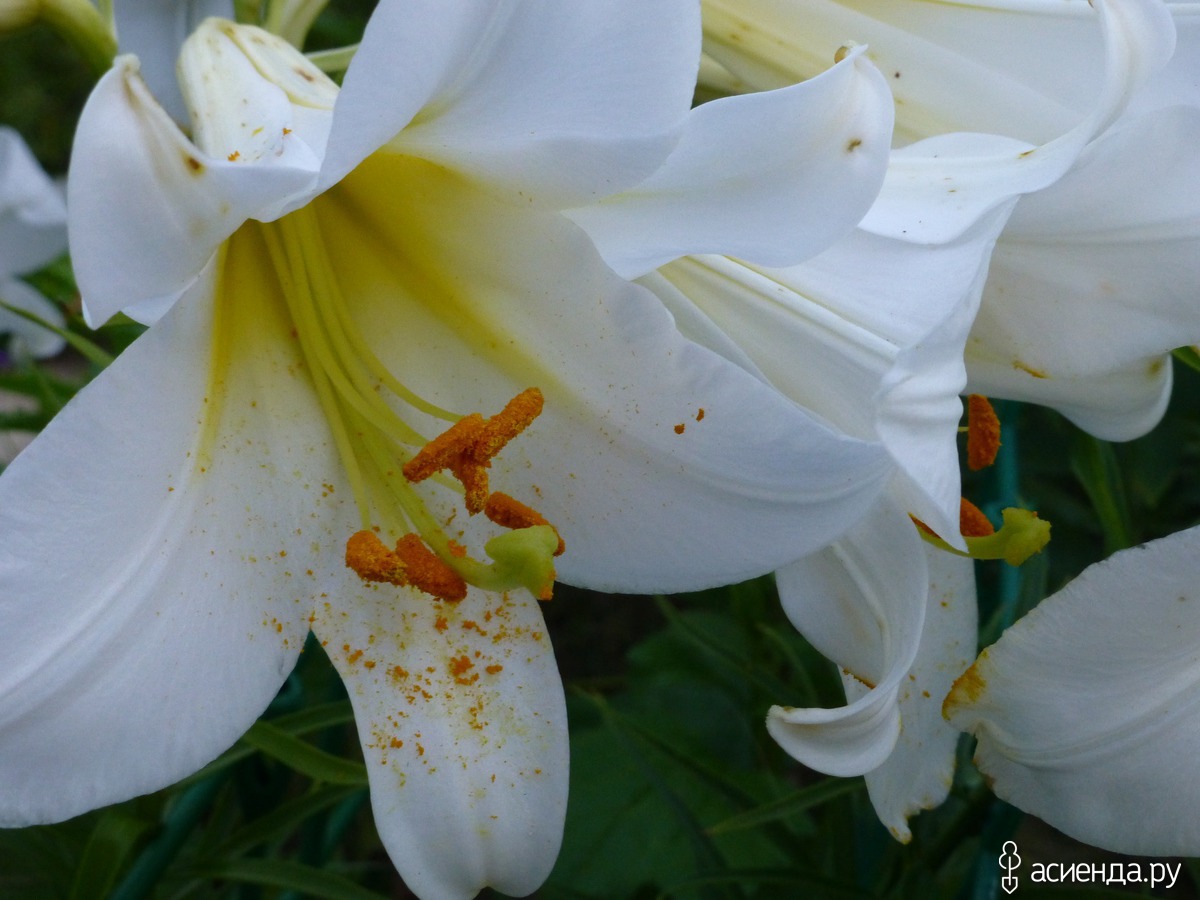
861,602
33,216
171,603
1085,710
506,91
647,429
953,179
154,30
463,725
827,139
918,773
180,202
957,69
1110,254
888,371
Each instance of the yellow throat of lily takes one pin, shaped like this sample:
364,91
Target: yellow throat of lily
383,456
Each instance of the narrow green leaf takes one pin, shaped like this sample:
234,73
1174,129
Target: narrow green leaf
91,351
708,858
277,873
281,821
107,849
1189,356
303,721
303,756
743,667
1095,465
791,805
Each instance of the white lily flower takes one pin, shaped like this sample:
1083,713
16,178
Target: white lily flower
1085,709
899,302
998,100
334,278
33,232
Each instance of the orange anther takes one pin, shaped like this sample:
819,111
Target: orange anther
971,520
510,513
983,432
412,564
467,447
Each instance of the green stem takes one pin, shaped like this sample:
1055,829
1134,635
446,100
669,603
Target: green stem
83,26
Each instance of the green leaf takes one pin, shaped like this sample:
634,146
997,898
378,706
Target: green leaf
282,821
303,756
278,873
301,722
1189,356
110,844
794,804
89,350
1095,465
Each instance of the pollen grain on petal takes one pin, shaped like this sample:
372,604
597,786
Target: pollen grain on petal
983,433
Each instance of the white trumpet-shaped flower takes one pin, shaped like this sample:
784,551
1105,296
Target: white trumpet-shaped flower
371,319
33,232
1085,710
899,313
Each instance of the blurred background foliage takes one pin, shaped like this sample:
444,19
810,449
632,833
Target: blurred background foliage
676,789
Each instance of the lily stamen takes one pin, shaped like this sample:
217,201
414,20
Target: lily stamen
511,513
1021,535
983,432
467,447
410,564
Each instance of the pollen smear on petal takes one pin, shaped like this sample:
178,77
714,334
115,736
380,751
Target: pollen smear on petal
983,433
467,447
411,563
511,513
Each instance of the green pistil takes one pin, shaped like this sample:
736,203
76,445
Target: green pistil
1021,535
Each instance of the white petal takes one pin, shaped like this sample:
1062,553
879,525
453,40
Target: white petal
772,177
176,203
937,188
564,104
1109,255
33,217
152,583
29,337
950,68
1086,710
889,371
463,725
861,602
252,95
918,773
154,30
640,457
1116,405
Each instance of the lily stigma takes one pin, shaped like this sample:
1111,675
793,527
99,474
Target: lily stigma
387,378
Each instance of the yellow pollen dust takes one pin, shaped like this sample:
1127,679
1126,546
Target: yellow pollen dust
983,433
